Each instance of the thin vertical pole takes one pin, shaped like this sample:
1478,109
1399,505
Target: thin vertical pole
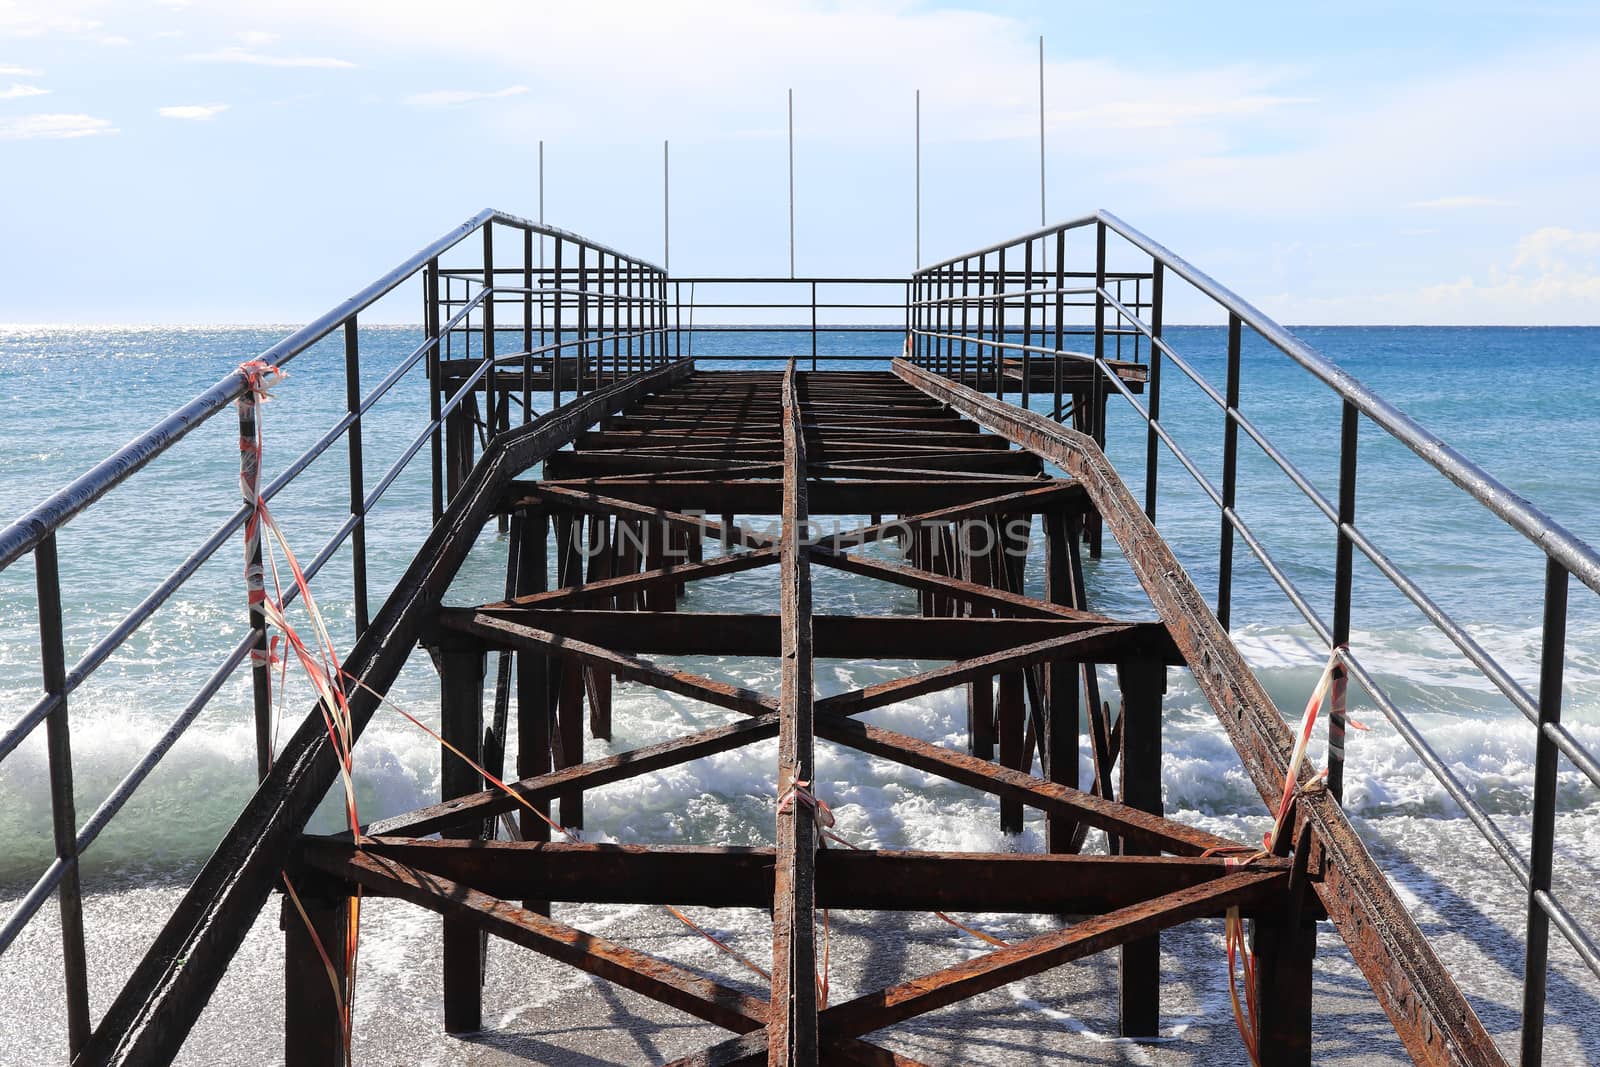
63,814
1151,444
1041,130
541,205
666,206
918,185
1094,393
1230,474
791,183
1552,662
358,503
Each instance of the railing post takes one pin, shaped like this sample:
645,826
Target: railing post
495,415
1096,406
966,286
1061,310
255,579
1343,575
435,382
813,325
677,318
583,317
1552,664
560,345
63,812
527,326
978,345
358,495
1000,329
1230,474
1152,444
1027,320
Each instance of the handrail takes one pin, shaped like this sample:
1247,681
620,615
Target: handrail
599,288
1552,538
936,331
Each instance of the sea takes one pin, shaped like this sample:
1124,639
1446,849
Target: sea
1524,403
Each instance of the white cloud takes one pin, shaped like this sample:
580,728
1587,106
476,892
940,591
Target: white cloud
1451,203
235,54
18,91
53,127
21,72
258,38
1551,278
194,112
457,97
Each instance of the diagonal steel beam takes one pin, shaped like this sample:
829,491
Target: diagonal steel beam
942,988
600,504
591,775
1086,645
1161,833
1028,502
969,592
608,587
630,668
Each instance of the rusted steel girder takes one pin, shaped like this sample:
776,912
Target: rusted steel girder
719,876
792,1022
169,988
1430,1015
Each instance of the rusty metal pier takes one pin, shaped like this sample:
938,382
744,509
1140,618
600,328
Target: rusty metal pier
646,472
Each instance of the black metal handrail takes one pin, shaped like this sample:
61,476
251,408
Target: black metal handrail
582,287
940,322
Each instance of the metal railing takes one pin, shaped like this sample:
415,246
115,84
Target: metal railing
946,291
828,308
608,299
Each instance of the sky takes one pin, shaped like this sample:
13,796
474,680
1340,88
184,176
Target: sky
176,161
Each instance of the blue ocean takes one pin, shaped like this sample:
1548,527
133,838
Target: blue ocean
1520,402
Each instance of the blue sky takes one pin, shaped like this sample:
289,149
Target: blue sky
248,162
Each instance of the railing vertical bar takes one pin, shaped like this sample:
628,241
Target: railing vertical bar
358,495
1096,396
1061,308
63,814
813,325
556,353
978,347
1000,329
1230,473
966,290
527,325
1027,320
435,382
495,415
1552,663
1343,580
1152,451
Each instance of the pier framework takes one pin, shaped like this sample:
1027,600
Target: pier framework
980,458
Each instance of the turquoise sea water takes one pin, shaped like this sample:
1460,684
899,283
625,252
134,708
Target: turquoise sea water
1522,402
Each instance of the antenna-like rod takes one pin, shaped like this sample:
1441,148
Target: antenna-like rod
666,207
791,183
1041,130
541,205
919,179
